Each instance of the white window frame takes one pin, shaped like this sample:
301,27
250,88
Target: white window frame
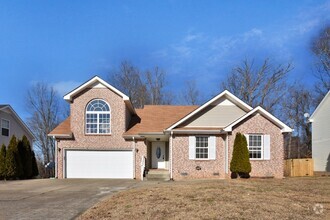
98,113
261,149
208,147
2,119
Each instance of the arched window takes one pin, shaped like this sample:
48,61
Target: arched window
97,117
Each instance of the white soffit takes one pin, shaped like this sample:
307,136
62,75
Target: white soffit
219,99
284,127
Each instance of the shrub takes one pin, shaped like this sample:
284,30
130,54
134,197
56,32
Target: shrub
27,155
11,162
35,171
233,175
21,157
240,162
3,173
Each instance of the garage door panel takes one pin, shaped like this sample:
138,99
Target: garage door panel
99,164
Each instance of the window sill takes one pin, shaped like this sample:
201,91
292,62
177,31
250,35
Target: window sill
201,160
98,134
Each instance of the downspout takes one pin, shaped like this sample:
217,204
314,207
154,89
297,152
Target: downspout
171,155
226,154
55,161
134,159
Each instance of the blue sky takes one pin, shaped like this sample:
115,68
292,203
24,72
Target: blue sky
64,43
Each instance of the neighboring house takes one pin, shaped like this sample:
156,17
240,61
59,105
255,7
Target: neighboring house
320,120
105,137
12,124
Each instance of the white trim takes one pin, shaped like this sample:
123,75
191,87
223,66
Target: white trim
226,154
247,136
319,106
98,114
60,135
3,119
68,97
27,129
284,127
134,159
197,131
212,147
171,156
226,93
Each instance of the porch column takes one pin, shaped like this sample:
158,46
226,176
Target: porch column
171,156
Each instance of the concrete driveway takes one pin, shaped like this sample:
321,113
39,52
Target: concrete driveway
53,198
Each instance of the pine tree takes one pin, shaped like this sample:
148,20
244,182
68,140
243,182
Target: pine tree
240,162
27,164
3,173
11,162
35,171
21,158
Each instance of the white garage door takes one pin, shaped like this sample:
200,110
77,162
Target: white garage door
99,164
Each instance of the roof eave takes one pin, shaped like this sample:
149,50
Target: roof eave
25,127
231,96
277,122
318,107
69,96
60,135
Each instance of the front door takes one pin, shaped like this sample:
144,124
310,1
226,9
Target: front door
158,155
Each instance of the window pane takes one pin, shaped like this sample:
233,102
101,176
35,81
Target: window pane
202,147
5,132
255,146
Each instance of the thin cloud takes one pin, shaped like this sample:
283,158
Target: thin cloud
64,87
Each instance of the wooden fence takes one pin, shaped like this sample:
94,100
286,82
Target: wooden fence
299,167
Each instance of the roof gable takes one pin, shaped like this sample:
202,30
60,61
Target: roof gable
326,97
225,95
9,109
263,112
97,82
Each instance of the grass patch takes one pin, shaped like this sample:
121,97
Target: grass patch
291,198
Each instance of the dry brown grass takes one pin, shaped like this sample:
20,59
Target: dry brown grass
291,198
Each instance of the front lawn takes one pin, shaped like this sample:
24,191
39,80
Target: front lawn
290,198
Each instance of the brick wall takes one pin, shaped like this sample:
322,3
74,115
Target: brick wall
99,142
183,167
263,168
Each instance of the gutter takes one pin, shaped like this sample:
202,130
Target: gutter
55,157
196,131
60,135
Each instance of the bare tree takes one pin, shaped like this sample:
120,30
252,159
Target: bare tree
190,93
262,85
128,79
143,88
321,49
155,82
296,103
43,106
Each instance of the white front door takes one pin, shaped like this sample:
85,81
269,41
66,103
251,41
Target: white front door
158,155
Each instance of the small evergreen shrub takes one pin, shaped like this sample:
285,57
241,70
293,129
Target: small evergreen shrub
35,171
3,172
11,162
240,162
